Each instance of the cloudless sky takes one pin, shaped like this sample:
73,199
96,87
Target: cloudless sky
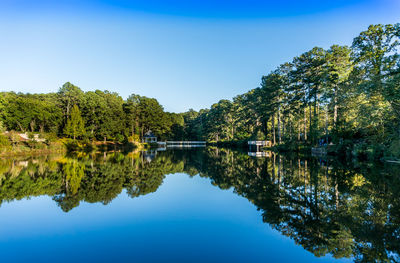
187,54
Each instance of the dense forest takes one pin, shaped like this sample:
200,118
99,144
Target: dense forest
87,115
344,96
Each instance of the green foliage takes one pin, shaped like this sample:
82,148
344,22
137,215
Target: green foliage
4,141
2,128
13,137
50,137
68,96
103,114
394,149
345,96
29,112
119,138
134,138
75,126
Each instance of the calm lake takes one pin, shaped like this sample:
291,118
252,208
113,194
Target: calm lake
197,205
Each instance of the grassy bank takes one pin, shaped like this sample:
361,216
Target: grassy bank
101,146
38,148
21,144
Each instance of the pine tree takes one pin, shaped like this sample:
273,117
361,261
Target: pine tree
75,125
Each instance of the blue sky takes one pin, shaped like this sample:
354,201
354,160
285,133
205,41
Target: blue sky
187,54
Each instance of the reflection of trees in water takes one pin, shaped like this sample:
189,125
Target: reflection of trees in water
325,206
88,178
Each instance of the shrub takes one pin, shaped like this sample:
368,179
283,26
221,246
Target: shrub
134,138
13,137
4,141
50,137
2,128
120,138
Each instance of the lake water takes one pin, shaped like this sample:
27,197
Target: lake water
201,205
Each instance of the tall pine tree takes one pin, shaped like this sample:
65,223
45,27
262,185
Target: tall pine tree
75,126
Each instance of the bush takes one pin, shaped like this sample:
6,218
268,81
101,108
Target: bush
134,138
4,141
50,137
79,146
120,138
2,127
13,137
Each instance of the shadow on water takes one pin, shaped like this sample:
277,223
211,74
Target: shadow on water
327,207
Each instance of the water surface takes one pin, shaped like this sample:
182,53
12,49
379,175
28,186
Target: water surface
202,205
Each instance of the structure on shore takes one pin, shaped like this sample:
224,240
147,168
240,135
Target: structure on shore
256,145
149,137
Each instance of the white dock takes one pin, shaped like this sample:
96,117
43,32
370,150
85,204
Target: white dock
185,144
259,154
258,144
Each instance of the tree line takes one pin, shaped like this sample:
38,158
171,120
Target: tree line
342,95
100,115
321,96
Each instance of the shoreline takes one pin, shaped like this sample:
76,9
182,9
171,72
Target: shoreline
70,147
31,152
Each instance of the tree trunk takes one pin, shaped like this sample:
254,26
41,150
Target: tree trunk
283,128
32,125
279,127
265,128
68,105
311,124
299,131
273,129
305,124
335,107
326,124
316,112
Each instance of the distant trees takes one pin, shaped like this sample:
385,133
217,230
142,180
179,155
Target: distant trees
69,95
143,114
30,112
100,115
